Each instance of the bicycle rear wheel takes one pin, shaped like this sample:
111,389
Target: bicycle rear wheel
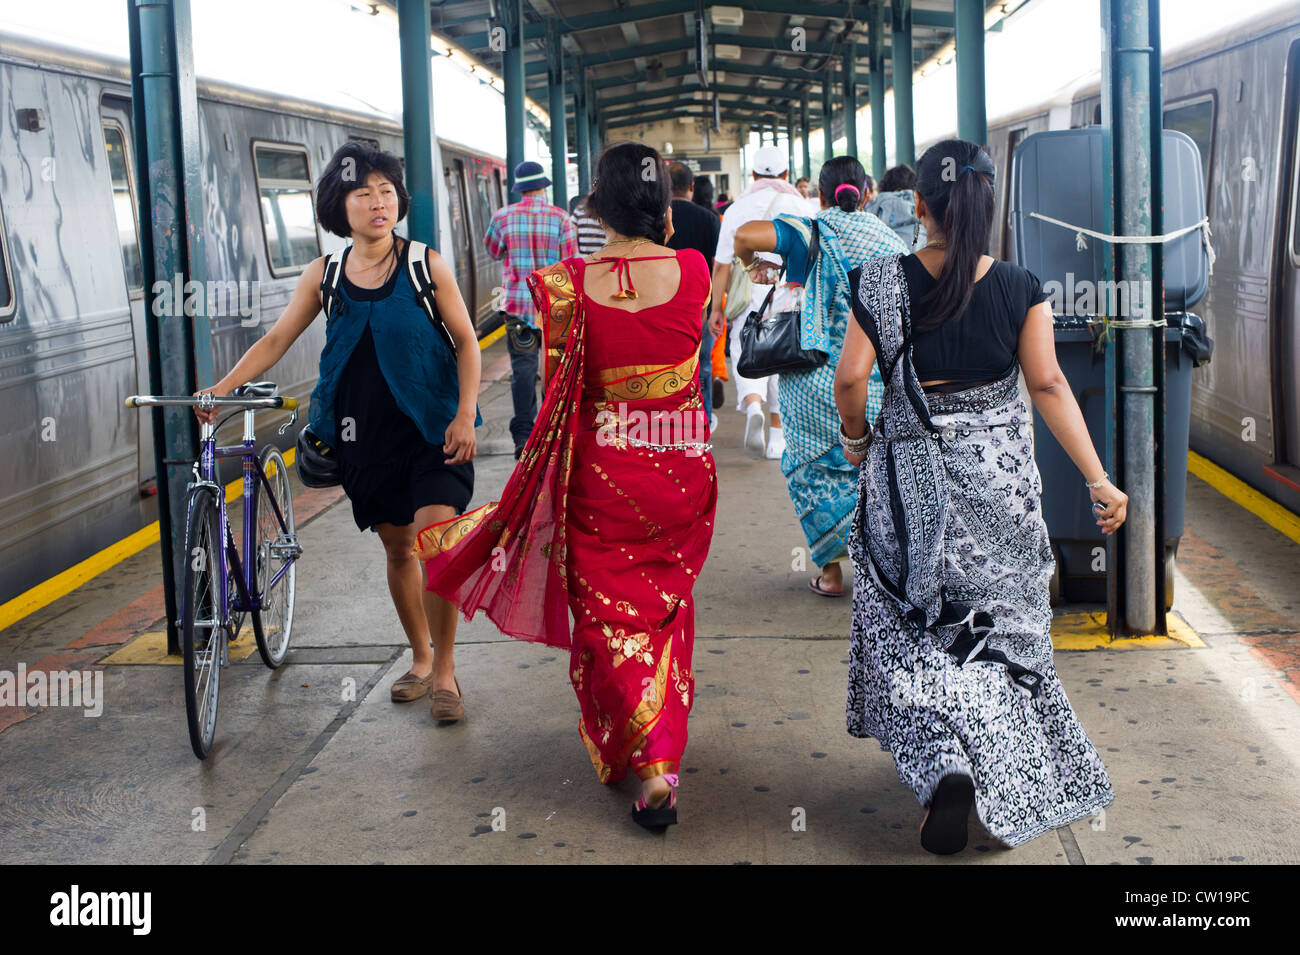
274,548
203,631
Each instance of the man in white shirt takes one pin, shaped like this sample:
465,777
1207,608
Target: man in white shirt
770,195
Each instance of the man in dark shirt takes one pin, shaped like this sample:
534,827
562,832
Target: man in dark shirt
695,227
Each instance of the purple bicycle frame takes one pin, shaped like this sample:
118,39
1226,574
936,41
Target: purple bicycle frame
244,600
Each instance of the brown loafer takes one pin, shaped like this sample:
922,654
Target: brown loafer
448,707
409,687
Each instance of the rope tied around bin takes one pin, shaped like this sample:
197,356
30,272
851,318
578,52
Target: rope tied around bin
1081,243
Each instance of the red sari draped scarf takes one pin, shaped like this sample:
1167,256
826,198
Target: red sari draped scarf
508,557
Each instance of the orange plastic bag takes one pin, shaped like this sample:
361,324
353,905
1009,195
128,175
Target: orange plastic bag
718,356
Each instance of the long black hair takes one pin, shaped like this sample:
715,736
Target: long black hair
955,178
631,193
842,171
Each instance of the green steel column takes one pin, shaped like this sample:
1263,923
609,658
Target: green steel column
877,44
559,143
512,75
972,120
581,133
593,125
851,97
165,120
806,132
828,115
789,139
1131,143
904,135
419,142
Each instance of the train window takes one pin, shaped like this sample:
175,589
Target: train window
1014,138
1196,119
7,308
484,200
288,212
128,235
499,191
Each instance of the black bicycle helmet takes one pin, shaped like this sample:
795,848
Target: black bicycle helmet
318,463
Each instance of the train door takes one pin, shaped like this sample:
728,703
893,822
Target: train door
115,120
484,271
1287,370
462,231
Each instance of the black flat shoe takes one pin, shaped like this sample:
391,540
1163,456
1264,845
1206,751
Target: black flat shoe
656,820
944,830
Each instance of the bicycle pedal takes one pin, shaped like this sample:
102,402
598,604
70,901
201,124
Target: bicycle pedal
286,546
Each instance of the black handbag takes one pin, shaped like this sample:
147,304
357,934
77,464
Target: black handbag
771,346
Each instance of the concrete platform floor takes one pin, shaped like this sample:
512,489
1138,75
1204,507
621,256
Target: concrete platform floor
313,763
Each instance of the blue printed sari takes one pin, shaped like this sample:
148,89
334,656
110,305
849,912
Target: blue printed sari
821,482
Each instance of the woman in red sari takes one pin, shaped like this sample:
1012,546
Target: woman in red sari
609,512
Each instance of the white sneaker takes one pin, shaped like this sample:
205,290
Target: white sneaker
775,443
713,423
754,432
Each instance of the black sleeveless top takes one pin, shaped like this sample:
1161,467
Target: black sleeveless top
979,345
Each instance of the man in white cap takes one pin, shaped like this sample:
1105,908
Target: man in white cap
770,195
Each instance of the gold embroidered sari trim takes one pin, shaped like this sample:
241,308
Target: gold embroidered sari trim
436,538
554,294
633,382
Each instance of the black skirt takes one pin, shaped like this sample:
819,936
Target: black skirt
387,469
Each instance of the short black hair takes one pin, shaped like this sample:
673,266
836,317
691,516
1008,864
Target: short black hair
630,193
683,179
347,171
801,179
898,178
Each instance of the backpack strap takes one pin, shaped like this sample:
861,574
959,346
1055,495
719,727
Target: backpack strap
417,267
329,282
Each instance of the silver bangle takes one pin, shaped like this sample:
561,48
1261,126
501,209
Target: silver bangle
855,445
1093,485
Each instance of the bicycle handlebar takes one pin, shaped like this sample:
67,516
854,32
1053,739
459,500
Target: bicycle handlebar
208,401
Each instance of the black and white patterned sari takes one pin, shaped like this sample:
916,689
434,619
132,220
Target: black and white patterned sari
951,654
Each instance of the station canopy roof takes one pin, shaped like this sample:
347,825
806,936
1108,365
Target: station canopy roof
640,55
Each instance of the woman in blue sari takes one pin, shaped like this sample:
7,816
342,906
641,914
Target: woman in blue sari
821,482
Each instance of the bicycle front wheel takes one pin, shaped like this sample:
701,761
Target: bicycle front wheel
276,552
203,629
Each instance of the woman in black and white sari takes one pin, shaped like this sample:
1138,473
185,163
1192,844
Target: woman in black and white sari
951,658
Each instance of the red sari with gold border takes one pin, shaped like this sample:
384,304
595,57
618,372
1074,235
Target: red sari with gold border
608,516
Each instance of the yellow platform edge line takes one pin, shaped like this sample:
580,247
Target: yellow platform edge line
65,582
150,649
491,337
1087,631
1239,492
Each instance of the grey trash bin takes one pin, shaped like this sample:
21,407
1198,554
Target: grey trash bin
1058,174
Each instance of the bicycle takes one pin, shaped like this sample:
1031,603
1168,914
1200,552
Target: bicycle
223,584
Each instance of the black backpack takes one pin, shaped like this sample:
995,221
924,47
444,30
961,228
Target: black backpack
417,268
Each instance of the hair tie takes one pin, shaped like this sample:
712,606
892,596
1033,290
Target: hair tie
964,168
847,185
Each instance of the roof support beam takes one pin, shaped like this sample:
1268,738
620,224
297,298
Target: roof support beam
904,127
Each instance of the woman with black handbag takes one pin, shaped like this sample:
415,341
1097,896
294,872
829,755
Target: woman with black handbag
819,253
395,398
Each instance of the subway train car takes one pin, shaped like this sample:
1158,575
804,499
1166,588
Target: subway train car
76,466
1238,97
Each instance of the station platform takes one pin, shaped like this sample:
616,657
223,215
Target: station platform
314,764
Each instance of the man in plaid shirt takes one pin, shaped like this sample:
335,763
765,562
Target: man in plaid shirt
529,234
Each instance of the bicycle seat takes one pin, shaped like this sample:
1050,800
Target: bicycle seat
255,389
